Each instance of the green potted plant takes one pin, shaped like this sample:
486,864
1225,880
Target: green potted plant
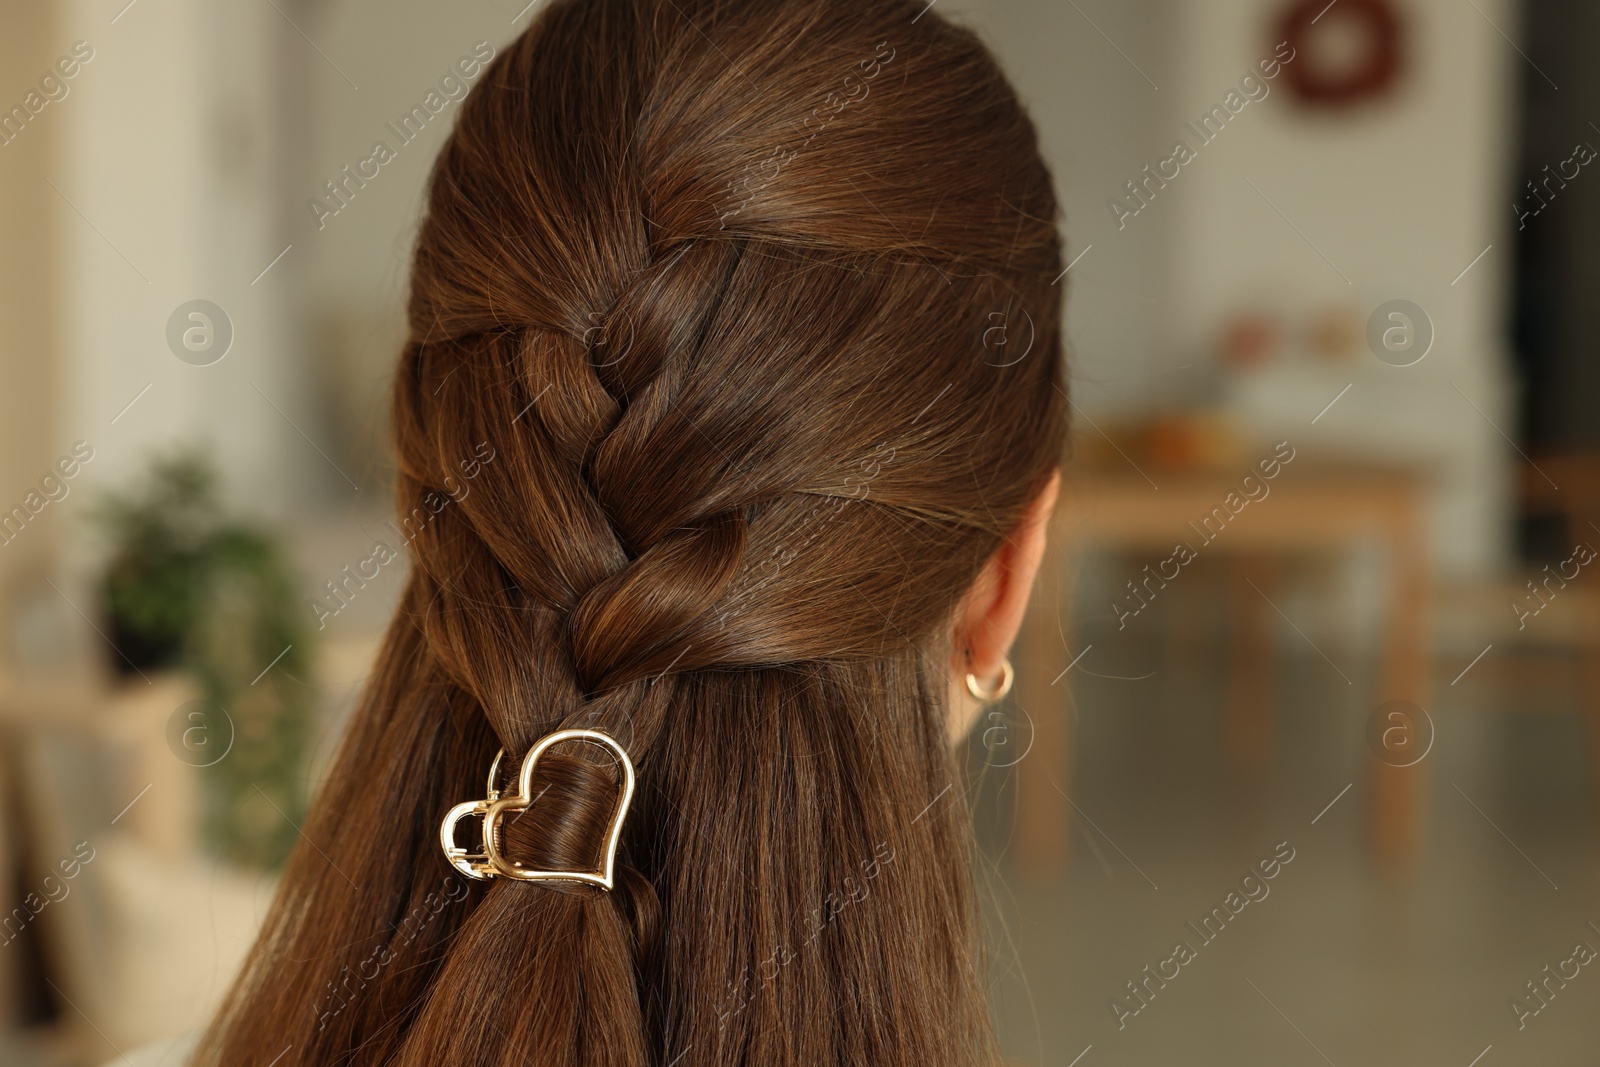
190,587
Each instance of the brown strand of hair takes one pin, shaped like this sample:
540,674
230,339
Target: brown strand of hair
711,282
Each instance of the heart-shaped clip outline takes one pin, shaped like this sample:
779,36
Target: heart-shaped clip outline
519,801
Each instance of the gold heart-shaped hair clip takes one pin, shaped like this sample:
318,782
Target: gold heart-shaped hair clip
490,861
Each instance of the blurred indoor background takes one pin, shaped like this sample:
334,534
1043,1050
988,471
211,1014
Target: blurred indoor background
1319,602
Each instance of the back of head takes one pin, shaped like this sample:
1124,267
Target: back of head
703,432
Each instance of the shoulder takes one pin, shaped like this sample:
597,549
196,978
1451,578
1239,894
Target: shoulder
171,1052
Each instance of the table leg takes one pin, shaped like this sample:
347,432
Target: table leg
1398,792
1248,725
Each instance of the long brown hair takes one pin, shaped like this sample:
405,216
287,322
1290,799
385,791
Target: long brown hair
734,355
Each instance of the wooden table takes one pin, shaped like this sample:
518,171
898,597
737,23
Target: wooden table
1310,506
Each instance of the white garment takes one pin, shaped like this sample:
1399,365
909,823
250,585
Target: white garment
171,1052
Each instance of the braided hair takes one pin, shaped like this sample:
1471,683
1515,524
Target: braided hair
707,294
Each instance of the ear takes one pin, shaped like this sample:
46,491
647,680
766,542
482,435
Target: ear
990,614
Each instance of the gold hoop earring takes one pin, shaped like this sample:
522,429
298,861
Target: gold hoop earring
998,693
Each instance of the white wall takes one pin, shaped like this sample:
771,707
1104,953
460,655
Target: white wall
168,156
1401,198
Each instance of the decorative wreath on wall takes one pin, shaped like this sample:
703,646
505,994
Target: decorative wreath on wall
1318,75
